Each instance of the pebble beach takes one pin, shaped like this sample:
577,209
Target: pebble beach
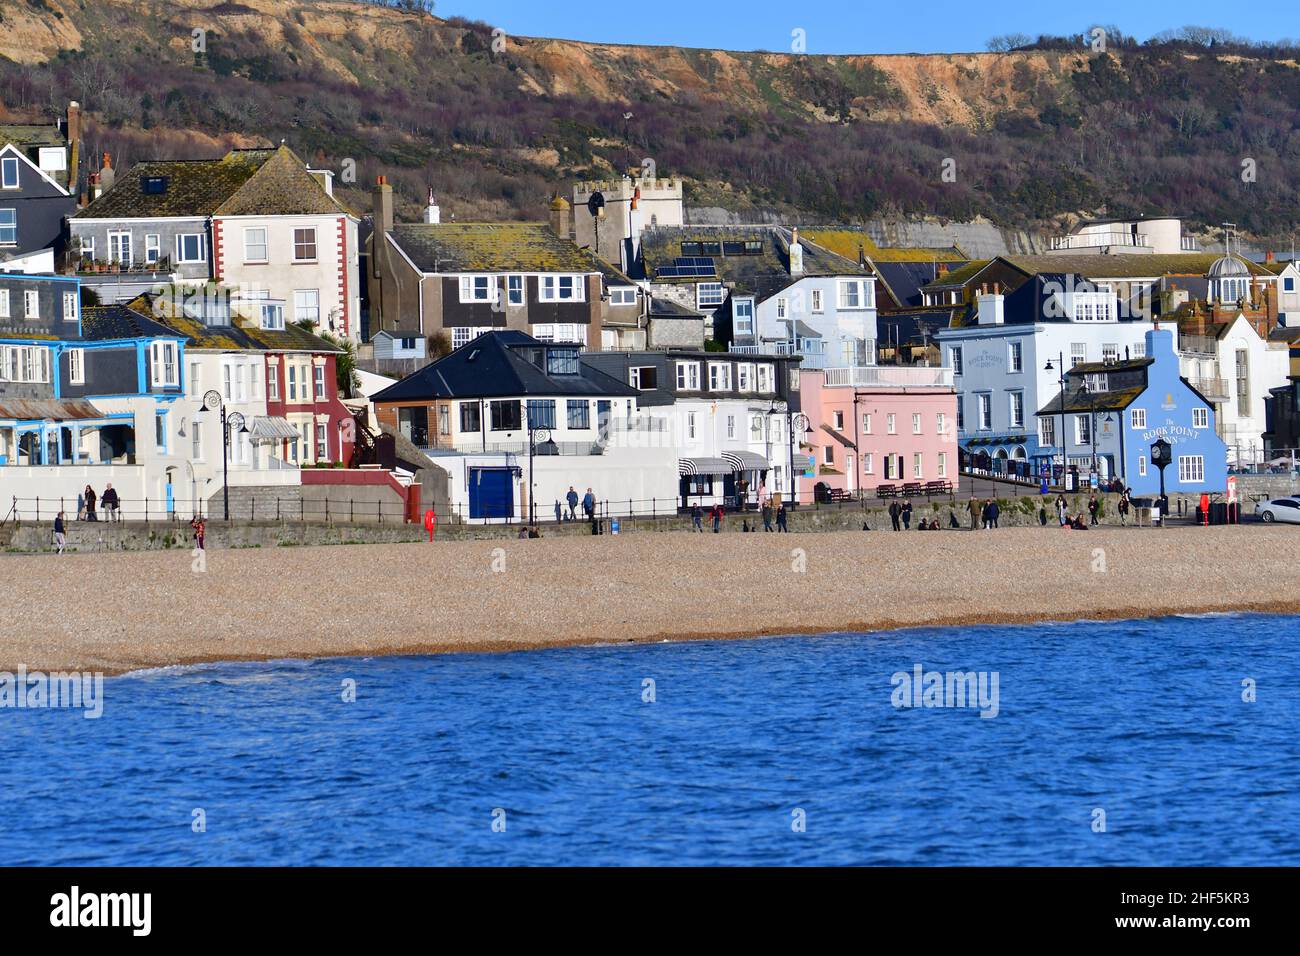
118,612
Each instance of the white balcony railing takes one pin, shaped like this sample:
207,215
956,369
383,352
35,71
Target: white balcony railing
1094,240
889,376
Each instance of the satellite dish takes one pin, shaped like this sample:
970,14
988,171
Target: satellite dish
595,204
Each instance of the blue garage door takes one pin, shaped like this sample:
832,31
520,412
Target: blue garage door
491,493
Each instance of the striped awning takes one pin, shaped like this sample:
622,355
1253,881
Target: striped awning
745,461
703,466
267,429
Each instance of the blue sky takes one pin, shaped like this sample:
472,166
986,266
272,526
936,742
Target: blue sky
843,26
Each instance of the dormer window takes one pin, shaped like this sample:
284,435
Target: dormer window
478,288
9,172
153,185
562,362
565,288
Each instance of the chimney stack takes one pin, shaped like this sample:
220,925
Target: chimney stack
383,205
796,253
432,214
559,215
74,122
106,174
96,190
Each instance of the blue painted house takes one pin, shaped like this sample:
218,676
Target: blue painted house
1110,413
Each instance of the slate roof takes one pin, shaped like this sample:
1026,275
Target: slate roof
849,241
762,275
28,140
102,322
1027,303
495,365
662,308
957,277
902,281
244,182
905,328
241,334
496,247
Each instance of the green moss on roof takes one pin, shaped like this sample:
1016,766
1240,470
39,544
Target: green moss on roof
244,182
493,247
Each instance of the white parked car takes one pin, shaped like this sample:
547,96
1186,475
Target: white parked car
1279,509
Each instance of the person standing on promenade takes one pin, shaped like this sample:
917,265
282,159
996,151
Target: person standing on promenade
766,510
1123,507
993,512
60,538
1093,507
894,511
1061,514
111,504
589,505
1042,516
906,515
974,508
717,518
762,495
572,499
697,518
781,520
952,520
89,495
200,531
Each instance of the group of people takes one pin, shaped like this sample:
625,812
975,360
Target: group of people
109,501
529,531
571,499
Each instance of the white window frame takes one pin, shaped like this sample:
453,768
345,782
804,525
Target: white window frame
622,295
917,465
744,324
707,292
1142,465
955,359
891,424
152,248
164,369
124,245
1191,469
984,407
1082,430
478,288
8,163
688,376
76,366
71,307
941,465
553,288
1200,417
744,376
764,379
318,382
916,423
4,304
852,295
251,245
1137,418
815,297
273,382
515,290
866,423
315,246
1016,409
31,304
1015,357
201,247
719,376
303,313
10,213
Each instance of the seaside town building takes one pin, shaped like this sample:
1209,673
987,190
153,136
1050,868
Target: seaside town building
256,220
506,414
38,184
84,399
459,280
1108,415
727,419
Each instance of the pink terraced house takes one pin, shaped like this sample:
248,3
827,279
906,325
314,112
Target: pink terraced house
881,424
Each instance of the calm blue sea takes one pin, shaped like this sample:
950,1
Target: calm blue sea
1142,720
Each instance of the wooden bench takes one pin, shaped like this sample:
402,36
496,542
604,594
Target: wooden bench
839,494
938,488
886,491
913,489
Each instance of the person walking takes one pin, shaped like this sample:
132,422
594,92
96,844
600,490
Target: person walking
200,531
572,499
110,503
89,494
697,518
559,512
781,520
589,505
1094,506
1061,514
1123,507
717,518
60,537
906,515
894,512
975,512
993,513
766,511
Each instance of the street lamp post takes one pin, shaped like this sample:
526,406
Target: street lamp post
1060,358
536,436
212,402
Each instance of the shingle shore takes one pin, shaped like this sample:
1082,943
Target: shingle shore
120,612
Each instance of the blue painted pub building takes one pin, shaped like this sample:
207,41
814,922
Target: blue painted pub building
1117,410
